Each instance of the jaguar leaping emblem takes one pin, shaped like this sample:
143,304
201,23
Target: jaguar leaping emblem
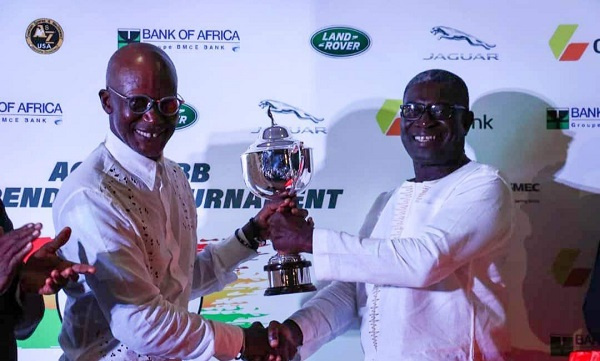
446,32
281,107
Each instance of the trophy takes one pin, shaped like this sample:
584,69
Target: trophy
273,164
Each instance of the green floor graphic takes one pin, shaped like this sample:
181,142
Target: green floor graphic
46,334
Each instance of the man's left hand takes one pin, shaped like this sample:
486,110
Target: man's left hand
256,344
45,273
290,233
284,338
286,203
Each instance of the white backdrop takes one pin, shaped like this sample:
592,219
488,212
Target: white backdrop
235,54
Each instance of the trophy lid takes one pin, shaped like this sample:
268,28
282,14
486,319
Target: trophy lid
273,137
276,163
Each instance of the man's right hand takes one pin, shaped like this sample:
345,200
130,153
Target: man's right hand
277,343
45,273
285,204
256,346
285,338
290,233
14,246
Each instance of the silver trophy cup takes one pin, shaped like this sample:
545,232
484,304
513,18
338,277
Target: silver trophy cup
273,164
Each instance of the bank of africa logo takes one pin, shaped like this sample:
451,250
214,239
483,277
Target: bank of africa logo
446,32
44,36
561,345
187,116
561,48
388,117
340,42
283,108
563,269
128,36
557,118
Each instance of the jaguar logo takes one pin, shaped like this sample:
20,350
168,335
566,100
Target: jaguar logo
283,108
445,32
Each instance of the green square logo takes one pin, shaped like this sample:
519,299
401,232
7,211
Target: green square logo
561,345
128,36
557,118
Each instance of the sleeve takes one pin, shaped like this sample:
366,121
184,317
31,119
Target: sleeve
334,309
32,311
123,287
476,219
327,315
5,222
591,306
215,265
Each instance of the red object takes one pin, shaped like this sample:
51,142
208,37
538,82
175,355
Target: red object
574,51
37,244
584,356
203,243
394,128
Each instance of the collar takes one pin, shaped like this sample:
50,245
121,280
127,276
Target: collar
143,168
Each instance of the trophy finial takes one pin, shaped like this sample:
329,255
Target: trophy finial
270,116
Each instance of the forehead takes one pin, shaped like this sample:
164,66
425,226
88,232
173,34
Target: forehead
145,75
434,92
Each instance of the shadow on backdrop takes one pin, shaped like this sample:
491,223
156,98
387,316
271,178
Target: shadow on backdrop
556,232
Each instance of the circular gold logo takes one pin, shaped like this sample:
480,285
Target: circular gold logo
44,36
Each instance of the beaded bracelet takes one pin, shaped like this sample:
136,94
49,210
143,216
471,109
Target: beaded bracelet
243,240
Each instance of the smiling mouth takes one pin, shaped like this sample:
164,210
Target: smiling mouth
424,138
147,135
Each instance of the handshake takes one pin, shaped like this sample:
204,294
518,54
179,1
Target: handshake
278,342
290,232
285,225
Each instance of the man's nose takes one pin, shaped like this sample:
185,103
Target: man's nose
426,121
153,115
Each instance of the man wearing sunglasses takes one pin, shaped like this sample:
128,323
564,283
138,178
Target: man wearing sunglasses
134,218
423,276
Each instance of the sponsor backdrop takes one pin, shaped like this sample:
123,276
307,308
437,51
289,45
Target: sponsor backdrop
333,72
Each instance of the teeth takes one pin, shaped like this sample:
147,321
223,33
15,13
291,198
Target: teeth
424,138
146,134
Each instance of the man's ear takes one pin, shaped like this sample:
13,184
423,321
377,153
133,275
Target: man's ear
105,101
468,121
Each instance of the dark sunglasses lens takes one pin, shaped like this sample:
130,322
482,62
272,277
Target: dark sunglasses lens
441,111
411,111
169,106
139,104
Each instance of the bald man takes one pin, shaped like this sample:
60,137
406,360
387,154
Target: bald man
423,277
134,218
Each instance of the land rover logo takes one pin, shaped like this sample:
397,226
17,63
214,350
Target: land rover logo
340,41
187,116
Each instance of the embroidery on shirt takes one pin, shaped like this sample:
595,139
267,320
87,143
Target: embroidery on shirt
406,196
401,207
426,188
187,220
131,206
374,316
